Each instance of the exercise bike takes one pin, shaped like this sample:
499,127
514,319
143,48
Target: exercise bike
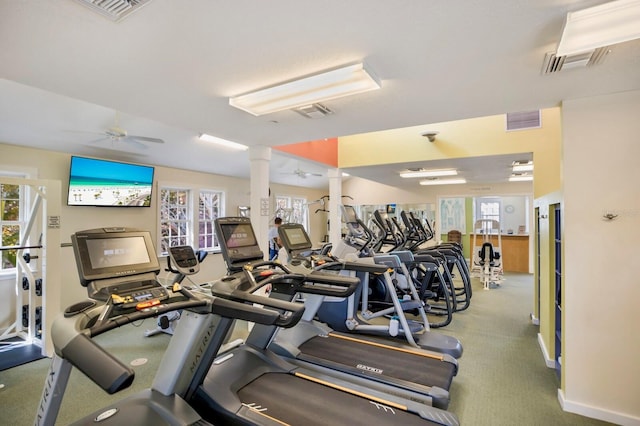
183,264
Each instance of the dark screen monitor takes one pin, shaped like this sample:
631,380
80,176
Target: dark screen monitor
238,235
94,182
238,242
349,214
107,253
294,237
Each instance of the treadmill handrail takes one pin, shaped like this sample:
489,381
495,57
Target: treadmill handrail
355,266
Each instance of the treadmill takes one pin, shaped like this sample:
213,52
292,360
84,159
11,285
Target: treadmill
315,345
118,266
250,384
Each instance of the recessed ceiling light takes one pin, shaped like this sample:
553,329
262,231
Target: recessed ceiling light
598,26
442,181
222,142
521,178
317,88
523,168
428,173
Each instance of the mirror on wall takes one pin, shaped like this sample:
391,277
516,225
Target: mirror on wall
424,211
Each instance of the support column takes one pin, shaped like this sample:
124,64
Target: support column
260,201
335,199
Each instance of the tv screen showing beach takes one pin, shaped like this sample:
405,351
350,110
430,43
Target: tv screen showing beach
95,182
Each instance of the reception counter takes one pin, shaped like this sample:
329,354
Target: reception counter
515,250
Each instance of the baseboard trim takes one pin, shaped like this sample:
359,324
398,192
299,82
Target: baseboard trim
596,413
534,320
549,362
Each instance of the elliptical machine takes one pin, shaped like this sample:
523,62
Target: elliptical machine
183,264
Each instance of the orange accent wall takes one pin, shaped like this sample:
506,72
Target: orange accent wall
323,151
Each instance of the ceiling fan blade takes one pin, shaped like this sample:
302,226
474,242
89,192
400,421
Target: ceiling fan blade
96,141
135,142
145,139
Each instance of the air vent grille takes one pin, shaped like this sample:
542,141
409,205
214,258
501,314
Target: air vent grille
523,120
313,111
115,10
553,63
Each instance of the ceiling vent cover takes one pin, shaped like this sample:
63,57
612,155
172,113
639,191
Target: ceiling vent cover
553,63
115,10
313,111
523,120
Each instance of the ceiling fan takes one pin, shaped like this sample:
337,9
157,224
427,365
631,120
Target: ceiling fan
302,173
118,134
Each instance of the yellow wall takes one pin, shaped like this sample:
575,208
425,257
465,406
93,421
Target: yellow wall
459,139
547,284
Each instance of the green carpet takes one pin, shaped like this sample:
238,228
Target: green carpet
502,379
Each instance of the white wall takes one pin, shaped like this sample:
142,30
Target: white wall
55,165
601,147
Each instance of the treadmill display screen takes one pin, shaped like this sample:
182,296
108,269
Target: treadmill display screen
297,236
109,252
238,235
106,253
294,237
238,242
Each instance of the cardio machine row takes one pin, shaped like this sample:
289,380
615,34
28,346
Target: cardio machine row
265,380
439,272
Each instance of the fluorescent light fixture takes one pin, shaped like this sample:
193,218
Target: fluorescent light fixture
523,168
604,25
442,181
222,142
336,83
522,178
429,173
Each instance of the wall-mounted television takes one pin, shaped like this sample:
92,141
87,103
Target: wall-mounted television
94,182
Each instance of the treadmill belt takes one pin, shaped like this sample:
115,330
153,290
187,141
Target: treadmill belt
297,401
375,361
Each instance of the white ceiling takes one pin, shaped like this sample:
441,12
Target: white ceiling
170,67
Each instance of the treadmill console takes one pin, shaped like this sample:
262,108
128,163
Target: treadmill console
184,260
299,247
118,264
237,242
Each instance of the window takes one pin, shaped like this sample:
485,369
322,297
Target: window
10,222
184,223
292,210
14,214
208,211
488,208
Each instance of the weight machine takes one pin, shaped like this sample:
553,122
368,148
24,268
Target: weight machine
487,258
37,279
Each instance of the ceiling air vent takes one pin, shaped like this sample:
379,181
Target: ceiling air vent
523,120
553,63
114,9
313,111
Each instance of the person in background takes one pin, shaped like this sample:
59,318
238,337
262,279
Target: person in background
274,239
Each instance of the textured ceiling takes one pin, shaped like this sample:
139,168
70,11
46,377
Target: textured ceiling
170,67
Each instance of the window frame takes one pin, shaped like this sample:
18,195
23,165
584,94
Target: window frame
288,202
24,208
193,219
480,201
